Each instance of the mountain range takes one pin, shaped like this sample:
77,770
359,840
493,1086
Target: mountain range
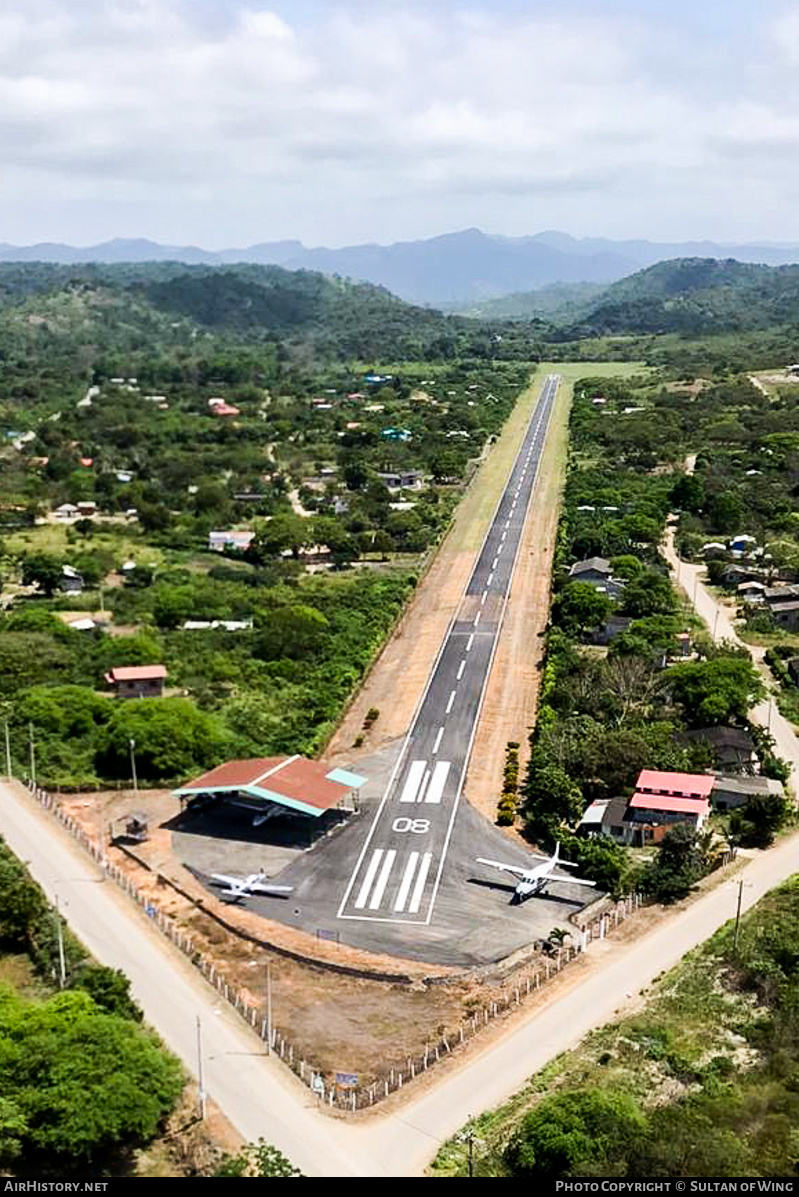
456,270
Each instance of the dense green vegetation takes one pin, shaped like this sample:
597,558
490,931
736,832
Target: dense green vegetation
179,401
616,698
81,1081
701,1083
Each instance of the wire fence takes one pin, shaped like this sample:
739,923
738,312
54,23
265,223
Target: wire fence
345,1094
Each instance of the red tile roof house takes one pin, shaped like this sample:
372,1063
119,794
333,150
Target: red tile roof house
662,800
269,786
137,681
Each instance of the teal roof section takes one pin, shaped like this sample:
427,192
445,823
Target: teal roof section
345,778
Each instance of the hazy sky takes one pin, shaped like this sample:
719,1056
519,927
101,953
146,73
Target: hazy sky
335,121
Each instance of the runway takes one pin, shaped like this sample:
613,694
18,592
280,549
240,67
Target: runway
397,874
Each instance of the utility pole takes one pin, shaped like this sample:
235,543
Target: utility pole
738,916
62,964
715,623
9,772
33,754
200,1085
268,1008
133,767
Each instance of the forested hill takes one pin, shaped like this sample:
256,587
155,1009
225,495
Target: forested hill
247,302
696,296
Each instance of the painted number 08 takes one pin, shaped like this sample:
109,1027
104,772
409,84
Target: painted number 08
418,826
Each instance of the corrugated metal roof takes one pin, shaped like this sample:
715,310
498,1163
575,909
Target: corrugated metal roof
300,784
691,785
137,673
688,806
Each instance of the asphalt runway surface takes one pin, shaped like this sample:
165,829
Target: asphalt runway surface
398,873
401,876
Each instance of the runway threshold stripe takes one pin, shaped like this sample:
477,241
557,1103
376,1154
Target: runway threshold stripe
382,881
418,889
413,781
405,884
363,892
439,780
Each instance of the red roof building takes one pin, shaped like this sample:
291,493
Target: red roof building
298,785
137,681
662,800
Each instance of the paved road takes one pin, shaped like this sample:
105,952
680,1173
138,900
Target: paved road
261,1098
398,872
718,619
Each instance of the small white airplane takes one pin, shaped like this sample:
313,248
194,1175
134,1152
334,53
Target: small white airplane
532,881
244,887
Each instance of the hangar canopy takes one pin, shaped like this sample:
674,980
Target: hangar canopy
302,786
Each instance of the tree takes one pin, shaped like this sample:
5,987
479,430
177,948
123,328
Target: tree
716,691
580,607
677,867
22,903
257,1159
109,988
651,593
284,532
626,566
83,1080
42,570
568,1133
688,494
293,632
756,823
30,658
173,739
551,800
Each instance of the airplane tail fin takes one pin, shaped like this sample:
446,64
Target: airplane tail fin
556,857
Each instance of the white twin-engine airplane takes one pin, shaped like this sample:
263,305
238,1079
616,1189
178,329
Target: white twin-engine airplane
243,887
532,881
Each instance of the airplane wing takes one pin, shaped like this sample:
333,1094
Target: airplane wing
503,868
264,887
571,880
235,883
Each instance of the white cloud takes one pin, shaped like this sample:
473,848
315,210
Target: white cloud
142,117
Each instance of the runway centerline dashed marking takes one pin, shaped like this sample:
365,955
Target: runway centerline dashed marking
402,858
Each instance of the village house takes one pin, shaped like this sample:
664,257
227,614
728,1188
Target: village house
71,580
663,800
219,541
751,591
596,572
137,681
731,792
732,748
403,479
67,511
